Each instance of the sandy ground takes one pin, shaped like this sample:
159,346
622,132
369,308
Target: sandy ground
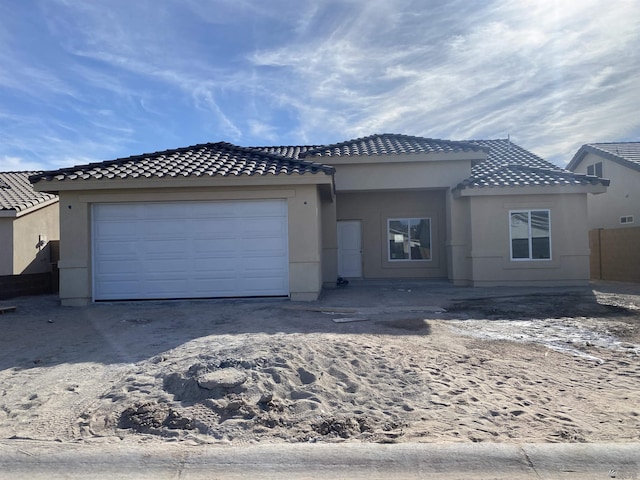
371,362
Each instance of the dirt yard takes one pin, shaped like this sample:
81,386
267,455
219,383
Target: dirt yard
371,362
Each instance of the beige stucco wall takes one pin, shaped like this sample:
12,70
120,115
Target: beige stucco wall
329,244
622,198
490,255
305,273
20,250
458,240
374,208
6,246
30,255
305,243
399,173
375,188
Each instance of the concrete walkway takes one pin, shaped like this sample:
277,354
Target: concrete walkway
34,460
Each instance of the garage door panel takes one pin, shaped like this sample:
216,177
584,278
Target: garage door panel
112,290
270,246
170,227
190,249
164,266
261,208
226,286
168,211
210,248
217,246
162,247
163,286
117,248
214,261
260,264
116,266
215,227
256,286
222,210
216,266
117,229
115,212
262,226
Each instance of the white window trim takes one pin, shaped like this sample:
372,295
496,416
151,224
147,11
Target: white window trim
394,260
530,242
594,167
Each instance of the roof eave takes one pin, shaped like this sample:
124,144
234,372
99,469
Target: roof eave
402,157
466,191
320,177
17,213
577,158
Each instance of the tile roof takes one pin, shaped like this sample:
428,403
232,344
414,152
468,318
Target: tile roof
17,194
524,176
504,152
209,159
506,165
288,151
391,144
625,153
509,165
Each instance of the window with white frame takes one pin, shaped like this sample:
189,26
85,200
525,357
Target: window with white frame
595,169
530,233
409,239
626,219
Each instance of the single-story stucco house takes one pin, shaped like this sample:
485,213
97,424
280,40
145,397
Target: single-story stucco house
28,226
219,220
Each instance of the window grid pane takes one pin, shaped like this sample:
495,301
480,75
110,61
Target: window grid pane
530,235
398,240
540,244
409,239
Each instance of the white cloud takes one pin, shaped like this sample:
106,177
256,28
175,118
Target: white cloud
528,68
18,164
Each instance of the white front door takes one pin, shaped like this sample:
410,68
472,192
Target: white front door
350,249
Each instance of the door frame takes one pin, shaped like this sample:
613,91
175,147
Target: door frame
342,223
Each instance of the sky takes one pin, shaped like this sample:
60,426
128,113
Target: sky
91,80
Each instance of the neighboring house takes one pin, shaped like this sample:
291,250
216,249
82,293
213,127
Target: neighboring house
218,220
614,217
28,224
620,163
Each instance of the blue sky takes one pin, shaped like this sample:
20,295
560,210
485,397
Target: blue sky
91,80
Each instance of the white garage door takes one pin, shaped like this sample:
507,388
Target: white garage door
190,250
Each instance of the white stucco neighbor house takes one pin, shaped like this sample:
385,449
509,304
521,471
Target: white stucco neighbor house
219,220
619,162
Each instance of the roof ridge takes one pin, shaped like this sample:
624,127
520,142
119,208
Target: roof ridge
396,135
425,144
